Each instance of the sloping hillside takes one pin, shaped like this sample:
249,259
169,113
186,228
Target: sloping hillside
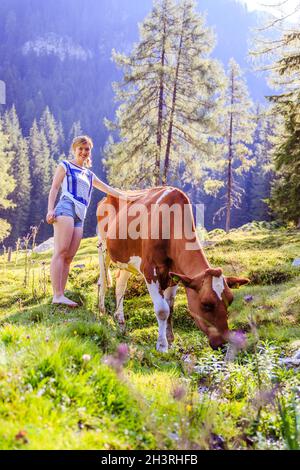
72,380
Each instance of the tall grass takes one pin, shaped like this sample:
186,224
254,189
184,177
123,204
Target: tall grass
69,380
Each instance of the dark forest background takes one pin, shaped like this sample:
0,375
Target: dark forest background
55,58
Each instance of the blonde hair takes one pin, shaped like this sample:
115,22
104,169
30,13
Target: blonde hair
79,140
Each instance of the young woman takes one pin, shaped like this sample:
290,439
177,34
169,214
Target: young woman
68,216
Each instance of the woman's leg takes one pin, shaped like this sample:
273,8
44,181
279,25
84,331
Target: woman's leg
74,245
63,234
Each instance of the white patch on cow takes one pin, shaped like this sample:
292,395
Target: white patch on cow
134,262
154,272
169,294
218,285
162,311
164,194
121,284
159,302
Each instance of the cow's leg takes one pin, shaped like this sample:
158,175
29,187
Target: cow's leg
104,278
162,312
122,277
169,295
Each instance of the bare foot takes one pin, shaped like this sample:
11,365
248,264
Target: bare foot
62,300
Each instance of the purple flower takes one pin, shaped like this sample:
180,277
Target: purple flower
248,298
122,352
238,340
178,392
118,360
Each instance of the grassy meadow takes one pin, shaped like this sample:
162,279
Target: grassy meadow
68,382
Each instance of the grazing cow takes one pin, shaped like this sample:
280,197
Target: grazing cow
148,235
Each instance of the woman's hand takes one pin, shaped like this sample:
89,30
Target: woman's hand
130,198
130,195
50,217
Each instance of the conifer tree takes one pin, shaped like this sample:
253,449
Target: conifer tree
285,199
261,175
238,126
279,52
7,182
18,216
168,99
75,131
141,118
42,166
54,134
193,108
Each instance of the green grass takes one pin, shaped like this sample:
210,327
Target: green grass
62,386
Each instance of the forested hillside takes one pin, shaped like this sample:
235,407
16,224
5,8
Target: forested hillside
56,62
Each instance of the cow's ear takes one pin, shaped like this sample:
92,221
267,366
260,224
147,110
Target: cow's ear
236,282
186,281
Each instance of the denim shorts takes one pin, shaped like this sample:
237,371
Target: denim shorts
67,207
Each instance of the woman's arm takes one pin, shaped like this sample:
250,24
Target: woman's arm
56,184
127,195
107,189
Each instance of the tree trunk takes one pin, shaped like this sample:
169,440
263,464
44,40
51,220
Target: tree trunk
160,109
229,195
170,129
229,172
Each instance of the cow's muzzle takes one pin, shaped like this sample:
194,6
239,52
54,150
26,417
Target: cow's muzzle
218,341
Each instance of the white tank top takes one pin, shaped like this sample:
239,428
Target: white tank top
77,186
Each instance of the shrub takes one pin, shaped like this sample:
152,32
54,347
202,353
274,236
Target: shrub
271,275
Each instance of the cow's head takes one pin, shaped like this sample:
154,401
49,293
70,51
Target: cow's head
209,296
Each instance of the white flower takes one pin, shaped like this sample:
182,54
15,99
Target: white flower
86,357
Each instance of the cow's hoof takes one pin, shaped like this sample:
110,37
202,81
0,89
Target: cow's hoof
162,347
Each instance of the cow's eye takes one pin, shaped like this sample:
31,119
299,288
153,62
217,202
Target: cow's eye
208,307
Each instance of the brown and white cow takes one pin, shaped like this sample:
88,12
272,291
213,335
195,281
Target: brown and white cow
148,235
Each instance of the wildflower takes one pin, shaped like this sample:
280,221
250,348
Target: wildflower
117,361
178,392
188,363
47,339
74,332
122,352
86,357
238,340
217,442
265,397
188,408
248,298
21,436
28,337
